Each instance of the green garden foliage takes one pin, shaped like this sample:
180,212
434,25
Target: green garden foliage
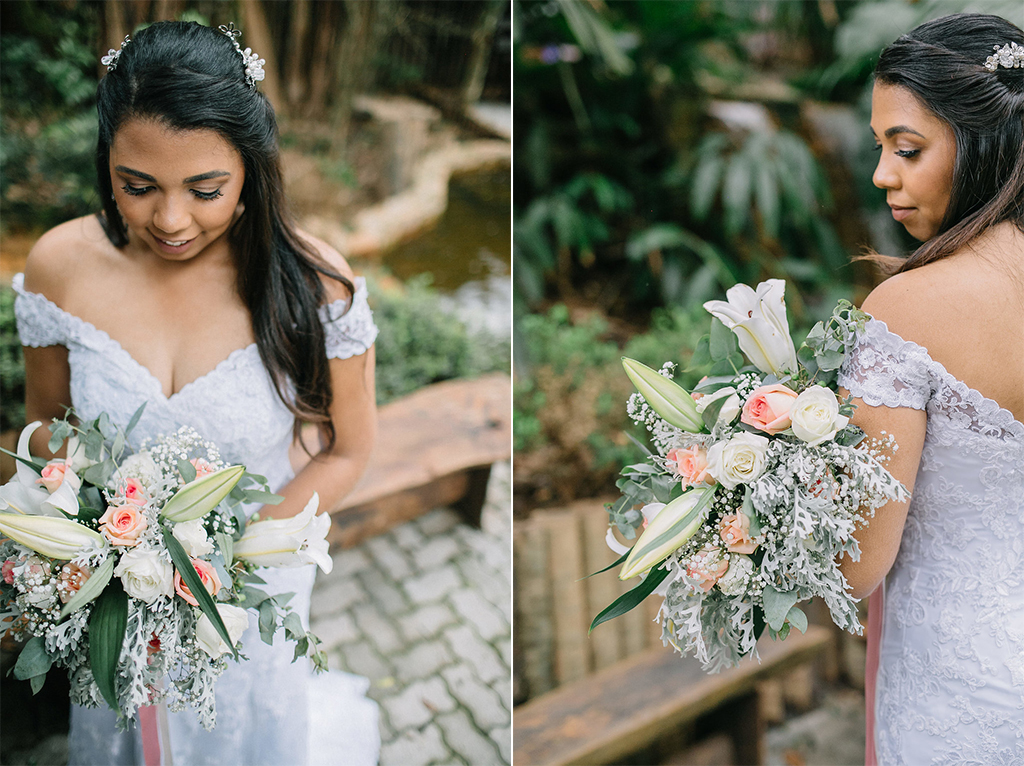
48,73
422,342
12,367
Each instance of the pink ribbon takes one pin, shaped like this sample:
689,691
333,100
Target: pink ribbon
876,613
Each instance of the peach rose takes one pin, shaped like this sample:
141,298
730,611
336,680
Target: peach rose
208,576
122,524
767,408
734,529
707,566
52,475
8,571
133,491
72,578
691,465
203,467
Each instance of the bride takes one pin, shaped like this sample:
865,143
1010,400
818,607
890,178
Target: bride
193,293
941,367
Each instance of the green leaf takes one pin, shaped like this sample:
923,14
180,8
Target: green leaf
797,619
736,192
766,194
99,474
701,355
106,636
226,546
722,341
712,411
706,181
259,496
614,564
268,621
777,606
293,626
135,420
253,597
711,385
91,588
628,601
187,470
118,447
188,573
33,662
34,466
61,430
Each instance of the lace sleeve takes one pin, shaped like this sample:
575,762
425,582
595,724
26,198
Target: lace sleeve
885,370
348,329
40,321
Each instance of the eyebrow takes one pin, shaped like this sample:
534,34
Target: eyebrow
190,180
895,129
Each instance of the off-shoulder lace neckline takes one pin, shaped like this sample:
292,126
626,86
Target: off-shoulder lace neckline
1003,417
229,362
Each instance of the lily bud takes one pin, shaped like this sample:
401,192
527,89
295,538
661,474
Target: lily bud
668,399
56,538
199,497
674,525
759,321
302,539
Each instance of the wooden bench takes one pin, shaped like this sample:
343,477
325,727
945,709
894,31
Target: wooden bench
434,447
628,706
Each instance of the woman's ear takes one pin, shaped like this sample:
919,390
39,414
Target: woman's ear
239,209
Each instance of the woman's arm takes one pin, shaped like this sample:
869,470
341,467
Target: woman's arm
333,473
898,303
880,539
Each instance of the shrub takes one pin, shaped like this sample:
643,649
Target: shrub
12,366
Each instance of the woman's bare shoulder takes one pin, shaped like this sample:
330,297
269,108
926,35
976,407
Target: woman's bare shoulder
334,260
58,257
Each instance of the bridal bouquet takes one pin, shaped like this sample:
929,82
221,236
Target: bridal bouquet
135,571
757,484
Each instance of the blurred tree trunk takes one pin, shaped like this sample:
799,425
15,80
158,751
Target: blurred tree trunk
366,26
167,10
482,41
295,57
256,35
315,103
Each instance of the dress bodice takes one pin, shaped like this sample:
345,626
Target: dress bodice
950,686
234,405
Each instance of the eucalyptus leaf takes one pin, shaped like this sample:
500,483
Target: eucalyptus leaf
712,411
268,621
135,420
293,626
777,605
100,473
33,660
701,355
226,546
187,470
721,340
259,496
797,619
91,588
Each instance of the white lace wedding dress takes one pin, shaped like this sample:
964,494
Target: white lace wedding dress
950,683
264,706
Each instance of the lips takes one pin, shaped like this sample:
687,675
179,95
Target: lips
900,213
173,246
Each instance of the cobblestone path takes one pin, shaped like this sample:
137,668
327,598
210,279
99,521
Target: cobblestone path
424,612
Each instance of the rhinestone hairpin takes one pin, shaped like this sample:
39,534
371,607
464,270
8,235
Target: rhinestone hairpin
110,60
1010,56
252,62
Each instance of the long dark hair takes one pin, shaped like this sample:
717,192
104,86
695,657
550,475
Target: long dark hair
942,62
189,77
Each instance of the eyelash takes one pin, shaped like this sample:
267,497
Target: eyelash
137,192
904,153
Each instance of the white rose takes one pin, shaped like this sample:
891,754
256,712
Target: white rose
236,620
740,460
192,536
139,466
815,416
734,581
145,574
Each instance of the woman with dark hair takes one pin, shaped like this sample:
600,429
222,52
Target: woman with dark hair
941,367
192,292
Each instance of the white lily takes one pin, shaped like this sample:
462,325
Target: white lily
759,321
302,539
668,399
56,538
24,495
674,524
